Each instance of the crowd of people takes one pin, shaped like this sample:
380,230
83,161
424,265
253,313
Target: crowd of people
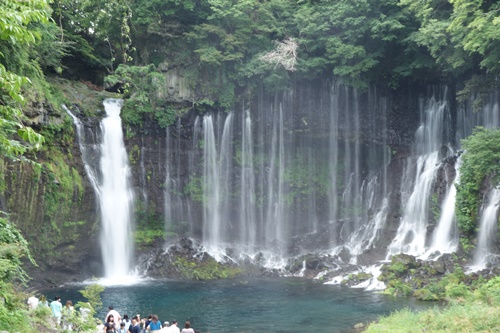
113,322
60,314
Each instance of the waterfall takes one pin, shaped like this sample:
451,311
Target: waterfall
212,221
176,208
276,221
217,166
333,149
143,182
412,232
80,133
488,226
226,168
116,197
248,225
488,117
445,237
169,185
351,197
308,170
289,168
372,197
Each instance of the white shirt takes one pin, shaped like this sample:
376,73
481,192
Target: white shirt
116,316
171,329
32,302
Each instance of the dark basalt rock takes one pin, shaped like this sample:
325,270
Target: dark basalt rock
407,260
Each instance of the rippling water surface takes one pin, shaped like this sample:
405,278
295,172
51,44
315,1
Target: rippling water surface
255,305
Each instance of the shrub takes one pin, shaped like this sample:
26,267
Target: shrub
480,160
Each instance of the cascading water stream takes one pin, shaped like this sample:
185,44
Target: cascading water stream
308,170
116,199
275,222
212,221
217,166
112,191
372,198
333,148
411,234
248,227
169,185
265,184
80,133
488,225
445,237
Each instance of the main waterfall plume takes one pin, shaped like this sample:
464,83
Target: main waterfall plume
116,196
111,184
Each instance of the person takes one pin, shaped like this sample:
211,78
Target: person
116,316
126,321
166,324
122,328
56,308
173,328
85,311
139,322
32,302
147,322
187,328
109,326
155,324
43,301
134,326
67,316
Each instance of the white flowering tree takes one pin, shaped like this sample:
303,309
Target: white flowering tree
284,54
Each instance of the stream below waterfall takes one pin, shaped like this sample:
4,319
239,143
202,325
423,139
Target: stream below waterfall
249,305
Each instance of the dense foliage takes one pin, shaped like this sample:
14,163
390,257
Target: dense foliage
13,248
219,47
471,309
17,34
480,171
14,314
220,44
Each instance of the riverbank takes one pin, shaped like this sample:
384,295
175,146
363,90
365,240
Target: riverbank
469,310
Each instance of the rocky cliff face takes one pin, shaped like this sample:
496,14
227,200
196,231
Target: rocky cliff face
374,130
53,205
304,171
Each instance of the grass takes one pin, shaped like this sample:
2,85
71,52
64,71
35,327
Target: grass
477,311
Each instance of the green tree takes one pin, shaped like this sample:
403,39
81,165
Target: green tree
99,33
358,40
480,164
459,34
475,26
16,20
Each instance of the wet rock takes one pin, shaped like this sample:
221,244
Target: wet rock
314,263
405,259
355,279
345,255
438,266
359,326
186,244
